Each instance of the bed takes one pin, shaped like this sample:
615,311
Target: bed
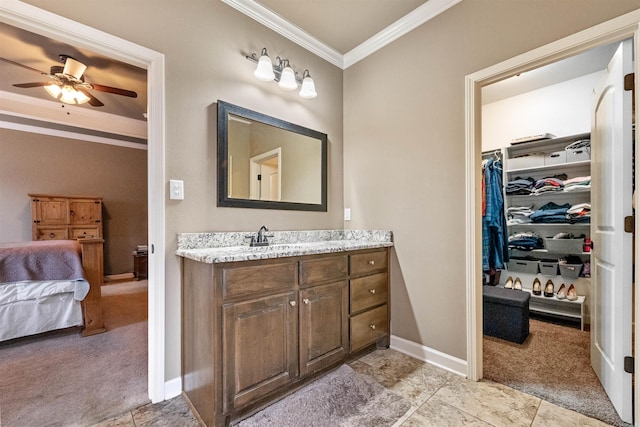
50,284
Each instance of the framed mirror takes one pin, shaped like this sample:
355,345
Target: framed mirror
268,163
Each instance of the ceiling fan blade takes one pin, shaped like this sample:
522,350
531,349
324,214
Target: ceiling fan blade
22,65
29,85
115,90
93,101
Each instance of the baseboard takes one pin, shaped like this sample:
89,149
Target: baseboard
122,276
172,388
429,355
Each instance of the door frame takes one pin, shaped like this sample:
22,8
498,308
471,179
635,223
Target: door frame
620,28
36,20
255,163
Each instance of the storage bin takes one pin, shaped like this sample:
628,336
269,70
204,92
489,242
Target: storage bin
532,160
548,268
578,154
571,271
565,246
555,158
522,266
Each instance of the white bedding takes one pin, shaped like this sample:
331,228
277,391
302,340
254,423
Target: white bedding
30,307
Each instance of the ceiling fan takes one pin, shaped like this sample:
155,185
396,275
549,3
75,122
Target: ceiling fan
67,83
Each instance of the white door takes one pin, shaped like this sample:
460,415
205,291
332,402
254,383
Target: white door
611,151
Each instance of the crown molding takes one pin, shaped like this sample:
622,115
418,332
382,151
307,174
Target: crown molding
285,28
402,26
28,107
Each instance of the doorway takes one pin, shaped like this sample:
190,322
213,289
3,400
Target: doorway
265,174
50,25
615,30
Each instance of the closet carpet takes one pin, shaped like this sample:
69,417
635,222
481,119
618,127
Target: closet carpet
552,364
64,379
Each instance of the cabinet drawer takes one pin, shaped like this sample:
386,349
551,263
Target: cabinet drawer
258,278
85,232
368,291
51,233
368,327
323,269
368,262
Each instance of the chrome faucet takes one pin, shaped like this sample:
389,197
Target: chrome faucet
261,238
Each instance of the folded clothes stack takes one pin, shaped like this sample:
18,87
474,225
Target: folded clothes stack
525,241
579,214
519,215
579,183
519,186
551,213
552,183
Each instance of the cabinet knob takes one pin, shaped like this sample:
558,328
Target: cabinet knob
372,291
292,303
306,300
372,326
372,262
52,235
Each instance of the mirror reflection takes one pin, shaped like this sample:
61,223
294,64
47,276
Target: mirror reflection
269,163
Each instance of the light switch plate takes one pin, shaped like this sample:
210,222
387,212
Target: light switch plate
176,189
347,214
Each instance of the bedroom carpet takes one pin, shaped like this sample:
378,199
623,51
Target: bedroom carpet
64,379
553,364
341,398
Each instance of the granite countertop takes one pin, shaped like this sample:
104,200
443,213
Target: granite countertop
234,246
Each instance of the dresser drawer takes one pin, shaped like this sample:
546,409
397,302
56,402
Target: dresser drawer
367,263
85,232
368,291
259,278
323,269
51,233
368,327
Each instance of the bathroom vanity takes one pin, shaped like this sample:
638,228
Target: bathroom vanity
259,322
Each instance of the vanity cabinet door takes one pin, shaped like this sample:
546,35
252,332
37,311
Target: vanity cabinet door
259,348
324,317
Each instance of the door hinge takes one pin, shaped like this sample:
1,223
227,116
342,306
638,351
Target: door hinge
629,81
629,224
628,364
259,177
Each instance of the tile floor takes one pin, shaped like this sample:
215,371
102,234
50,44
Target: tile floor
438,398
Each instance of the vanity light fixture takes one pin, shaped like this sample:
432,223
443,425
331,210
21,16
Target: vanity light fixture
282,73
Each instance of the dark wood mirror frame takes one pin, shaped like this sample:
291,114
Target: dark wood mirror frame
224,109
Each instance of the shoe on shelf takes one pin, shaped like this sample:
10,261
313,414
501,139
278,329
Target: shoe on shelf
572,294
508,284
537,286
562,292
549,288
517,285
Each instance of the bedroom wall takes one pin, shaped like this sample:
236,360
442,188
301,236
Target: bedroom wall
404,118
34,163
204,43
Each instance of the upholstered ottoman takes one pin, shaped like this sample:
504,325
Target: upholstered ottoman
505,313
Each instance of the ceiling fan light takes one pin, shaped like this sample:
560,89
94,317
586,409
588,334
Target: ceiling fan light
308,89
68,95
81,98
74,68
288,79
264,70
53,90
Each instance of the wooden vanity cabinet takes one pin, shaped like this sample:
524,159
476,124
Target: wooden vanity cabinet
254,330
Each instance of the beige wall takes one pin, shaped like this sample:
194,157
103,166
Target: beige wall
404,146
204,43
34,163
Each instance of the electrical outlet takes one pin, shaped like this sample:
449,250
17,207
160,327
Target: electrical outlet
347,214
176,189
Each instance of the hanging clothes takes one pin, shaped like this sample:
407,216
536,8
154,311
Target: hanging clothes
495,251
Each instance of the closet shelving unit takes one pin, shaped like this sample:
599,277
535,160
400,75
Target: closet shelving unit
512,169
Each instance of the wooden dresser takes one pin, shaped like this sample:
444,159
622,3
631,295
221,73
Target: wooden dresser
255,330
65,217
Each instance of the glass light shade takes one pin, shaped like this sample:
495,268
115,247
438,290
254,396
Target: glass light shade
264,70
308,89
288,79
53,90
81,98
68,95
